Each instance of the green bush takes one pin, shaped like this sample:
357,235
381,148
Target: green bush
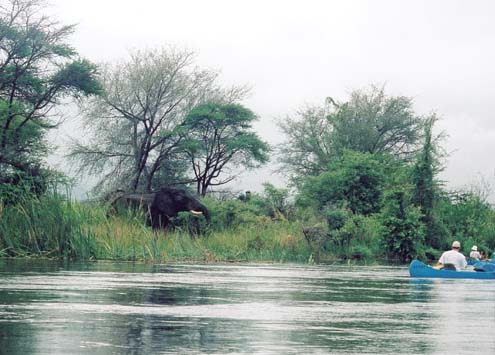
358,238
468,218
233,213
354,180
194,225
403,231
361,252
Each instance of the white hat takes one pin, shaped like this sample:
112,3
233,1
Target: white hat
456,244
475,248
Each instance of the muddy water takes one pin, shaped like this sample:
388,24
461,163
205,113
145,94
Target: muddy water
128,308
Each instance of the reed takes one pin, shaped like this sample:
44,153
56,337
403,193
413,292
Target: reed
52,226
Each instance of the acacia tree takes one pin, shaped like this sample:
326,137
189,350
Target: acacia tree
37,69
370,122
220,137
136,127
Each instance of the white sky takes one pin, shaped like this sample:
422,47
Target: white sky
441,53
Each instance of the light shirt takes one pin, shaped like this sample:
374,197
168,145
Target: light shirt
453,257
475,255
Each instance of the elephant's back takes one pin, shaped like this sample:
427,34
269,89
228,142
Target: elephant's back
174,195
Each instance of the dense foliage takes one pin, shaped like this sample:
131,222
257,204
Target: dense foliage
360,185
363,171
142,130
370,122
38,68
354,180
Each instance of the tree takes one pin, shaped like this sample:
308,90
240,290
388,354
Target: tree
309,149
468,217
137,126
425,191
354,181
370,122
38,68
373,122
219,138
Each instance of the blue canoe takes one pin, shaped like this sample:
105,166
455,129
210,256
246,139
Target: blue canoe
419,269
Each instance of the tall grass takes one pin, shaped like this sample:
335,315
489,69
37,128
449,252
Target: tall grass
53,226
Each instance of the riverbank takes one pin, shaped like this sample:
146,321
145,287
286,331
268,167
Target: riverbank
117,239
56,228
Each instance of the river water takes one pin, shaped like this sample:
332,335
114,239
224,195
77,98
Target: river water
131,308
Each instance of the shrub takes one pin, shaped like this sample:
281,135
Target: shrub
403,231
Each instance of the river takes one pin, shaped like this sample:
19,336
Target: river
49,307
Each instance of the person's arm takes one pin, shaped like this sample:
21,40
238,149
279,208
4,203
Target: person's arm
439,264
440,261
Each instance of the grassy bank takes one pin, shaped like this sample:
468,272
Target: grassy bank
53,227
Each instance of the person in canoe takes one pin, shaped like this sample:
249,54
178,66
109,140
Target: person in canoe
475,254
453,259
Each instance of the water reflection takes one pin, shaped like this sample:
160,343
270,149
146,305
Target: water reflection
118,308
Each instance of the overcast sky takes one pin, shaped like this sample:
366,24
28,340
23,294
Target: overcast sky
292,53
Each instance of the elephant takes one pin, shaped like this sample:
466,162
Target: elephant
134,201
160,206
168,202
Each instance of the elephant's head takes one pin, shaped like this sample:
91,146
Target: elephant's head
168,202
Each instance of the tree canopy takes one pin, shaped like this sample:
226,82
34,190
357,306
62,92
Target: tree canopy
137,126
219,137
354,181
370,122
38,68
